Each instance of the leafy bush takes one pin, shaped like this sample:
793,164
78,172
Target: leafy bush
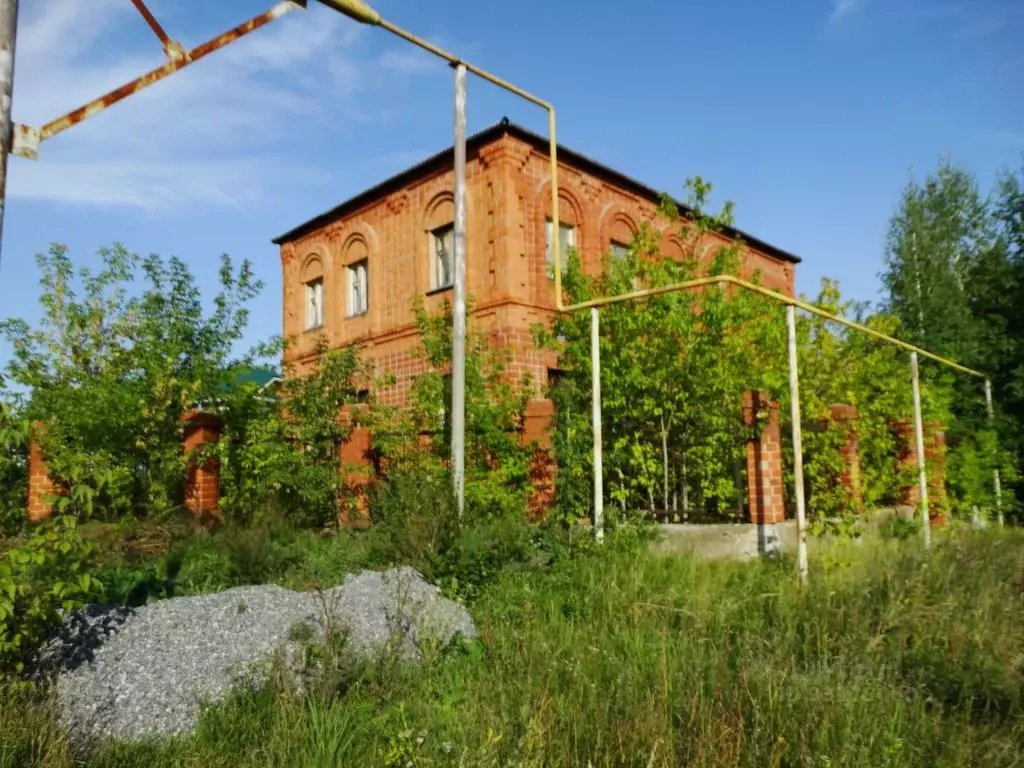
279,455
237,555
414,515
481,553
47,574
111,372
13,470
122,353
673,367
497,477
132,585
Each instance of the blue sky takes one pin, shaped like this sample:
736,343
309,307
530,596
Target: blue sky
809,114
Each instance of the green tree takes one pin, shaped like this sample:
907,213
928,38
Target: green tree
953,276
111,373
838,365
280,452
13,468
497,463
673,367
936,238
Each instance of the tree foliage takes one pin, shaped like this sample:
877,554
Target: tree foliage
111,373
123,352
496,460
673,371
14,430
954,275
674,368
48,573
280,453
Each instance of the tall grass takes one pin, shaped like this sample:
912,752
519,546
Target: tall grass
887,658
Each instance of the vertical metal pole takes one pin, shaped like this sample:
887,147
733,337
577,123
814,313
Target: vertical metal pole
8,31
995,472
556,254
798,451
922,477
595,416
459,308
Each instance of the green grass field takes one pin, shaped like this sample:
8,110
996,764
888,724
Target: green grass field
887,658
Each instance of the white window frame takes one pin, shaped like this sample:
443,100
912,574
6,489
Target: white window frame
314,302
445,236
358,285
566,240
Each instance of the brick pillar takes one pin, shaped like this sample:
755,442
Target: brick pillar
844,417
202,483
537,421
935,455
40,484
536,430
935,465
356,454
764,460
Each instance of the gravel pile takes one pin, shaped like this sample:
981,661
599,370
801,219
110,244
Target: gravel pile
146,671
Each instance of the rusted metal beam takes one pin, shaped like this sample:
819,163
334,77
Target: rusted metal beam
173,50
30,138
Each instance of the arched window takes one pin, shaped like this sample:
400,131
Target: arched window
313,293
439,224
568,227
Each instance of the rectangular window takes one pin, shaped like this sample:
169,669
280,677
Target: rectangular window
620,251
358,287
442,263
566,240
314,304
555,378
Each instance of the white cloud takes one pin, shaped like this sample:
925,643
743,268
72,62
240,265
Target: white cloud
205,135
71,23
406,60
843,8
151,186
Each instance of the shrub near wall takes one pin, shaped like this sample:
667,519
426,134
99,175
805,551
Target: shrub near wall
120,354
674,368
13,469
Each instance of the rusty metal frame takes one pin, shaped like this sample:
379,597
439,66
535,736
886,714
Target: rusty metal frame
26,139
173,50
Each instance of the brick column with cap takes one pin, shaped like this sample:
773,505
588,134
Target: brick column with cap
40,485
764,460
356,455
844,418
935,465
202,484
537,423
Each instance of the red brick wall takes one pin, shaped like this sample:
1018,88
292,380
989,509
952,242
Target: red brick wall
508,199
40,484
356,455
844,418
935,465
537,424
202,482
764,460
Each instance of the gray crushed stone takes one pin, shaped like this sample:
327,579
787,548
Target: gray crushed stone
135,673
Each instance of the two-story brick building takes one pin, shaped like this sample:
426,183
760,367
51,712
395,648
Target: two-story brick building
352,273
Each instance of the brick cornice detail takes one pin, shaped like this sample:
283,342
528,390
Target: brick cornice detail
398,202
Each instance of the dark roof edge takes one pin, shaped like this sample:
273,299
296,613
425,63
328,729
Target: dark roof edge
446,157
